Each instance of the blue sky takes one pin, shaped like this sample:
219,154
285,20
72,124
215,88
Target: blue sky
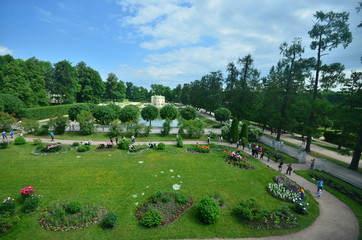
166,42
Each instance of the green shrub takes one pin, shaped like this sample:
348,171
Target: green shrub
37,141
165,198
209,210
30,204
110,220
7,223
19,140
4,144
248,210
46,112
161,146
180,198
75,144
7,206
74,207
83,148
301,207
180,142
124,144
151,218
43,130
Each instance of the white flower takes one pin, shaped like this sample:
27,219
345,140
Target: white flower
162,172
134,196
136,203
178,176
143,194
78,156
176,187
171,170
140,161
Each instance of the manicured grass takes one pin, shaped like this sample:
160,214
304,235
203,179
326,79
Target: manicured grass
209,123
112,178
356,207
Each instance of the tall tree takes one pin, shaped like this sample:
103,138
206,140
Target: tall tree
330,30
115,91
91,85
65,82
149,113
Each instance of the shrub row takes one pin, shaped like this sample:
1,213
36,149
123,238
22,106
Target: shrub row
45,112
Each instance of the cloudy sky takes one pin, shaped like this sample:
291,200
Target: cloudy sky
166,41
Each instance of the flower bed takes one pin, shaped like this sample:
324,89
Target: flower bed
235,159
51,149
253,215
196,148
284,189
106,147
137,149
60,218
163,208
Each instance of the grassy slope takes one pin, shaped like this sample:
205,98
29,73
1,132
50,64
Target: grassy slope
356,208
111,178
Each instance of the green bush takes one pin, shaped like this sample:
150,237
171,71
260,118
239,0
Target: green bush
83,148
74,207
151,218
110,220
301,207
180,142
7,223
75,144
124,144
37,141
161,146
19,140
30,204
43,130
209,210
7,206
45,112
115,129
180,198
4,144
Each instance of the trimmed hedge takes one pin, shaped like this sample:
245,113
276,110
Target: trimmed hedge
39,113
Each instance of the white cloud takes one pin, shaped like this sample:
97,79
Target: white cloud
4,51
185,39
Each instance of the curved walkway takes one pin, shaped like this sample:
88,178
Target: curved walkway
336,220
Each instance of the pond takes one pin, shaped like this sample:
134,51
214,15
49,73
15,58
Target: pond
158,122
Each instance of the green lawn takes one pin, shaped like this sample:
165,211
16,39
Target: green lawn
112,178
356,207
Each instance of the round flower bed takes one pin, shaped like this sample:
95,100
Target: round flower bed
284,189
163,208
196,148
235,159
71,216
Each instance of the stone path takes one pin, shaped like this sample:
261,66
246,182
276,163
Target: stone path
336,220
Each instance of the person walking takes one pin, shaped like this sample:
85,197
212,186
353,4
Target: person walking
116,140
312,164
320,184
289,169
243,144
4,135
111,139
319,193
51,136
280,166
12,134
133,139
302,194
237,144
208,139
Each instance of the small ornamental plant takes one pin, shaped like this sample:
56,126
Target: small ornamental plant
52,148
209,210
101,145
284,189
26,192
109,145
301,207
31,203
237,160
7,206
109,221
4,144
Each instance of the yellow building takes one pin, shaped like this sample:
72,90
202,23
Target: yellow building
158,100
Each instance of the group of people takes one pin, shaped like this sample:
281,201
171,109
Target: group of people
5,136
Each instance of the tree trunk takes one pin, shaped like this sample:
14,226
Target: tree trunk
357,153
307,146
279,133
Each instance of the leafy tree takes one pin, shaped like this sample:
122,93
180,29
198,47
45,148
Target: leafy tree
104,114
86,124
234,131
10,103
169,112
74,110
350,113
330,30
59,123
115,90
149,113
129,114
91,85
115,129
222,114
188,113
65,85
6,121
194,128
158,89
166,127
244,134
30,125
176,93
115,108
185,94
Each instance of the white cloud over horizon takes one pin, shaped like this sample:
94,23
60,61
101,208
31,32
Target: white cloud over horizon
4,51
